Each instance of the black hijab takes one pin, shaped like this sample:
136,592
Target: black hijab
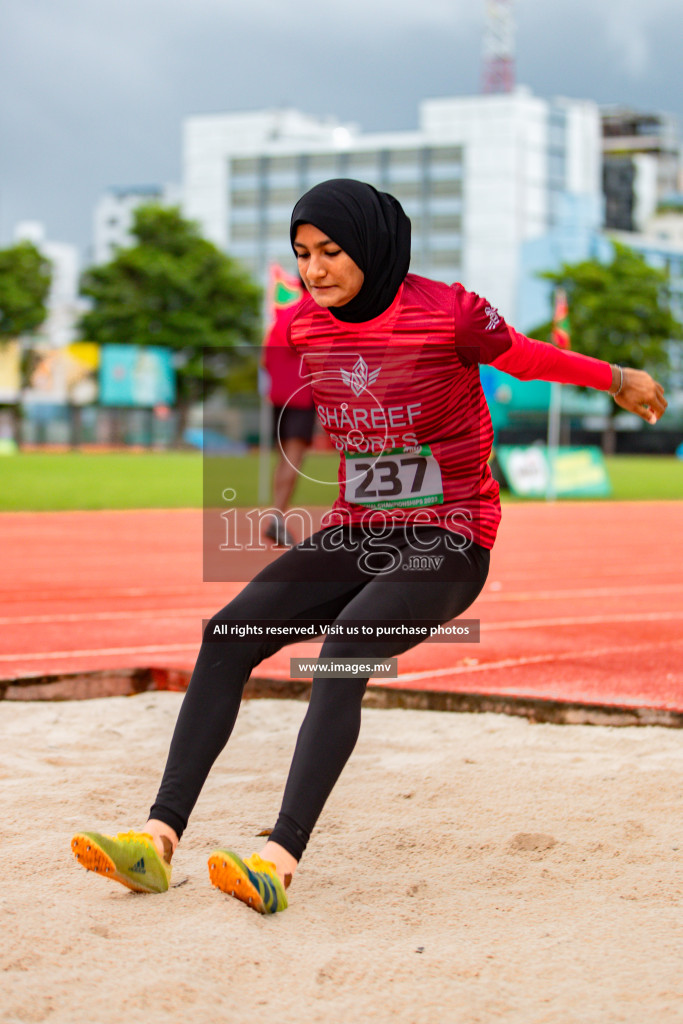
371,228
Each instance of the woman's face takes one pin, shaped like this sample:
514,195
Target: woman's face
332,278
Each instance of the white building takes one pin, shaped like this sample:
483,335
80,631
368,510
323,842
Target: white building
114,212
479,177
63,304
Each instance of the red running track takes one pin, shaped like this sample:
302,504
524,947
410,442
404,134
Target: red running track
584,602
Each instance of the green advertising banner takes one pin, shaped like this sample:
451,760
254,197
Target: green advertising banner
576,472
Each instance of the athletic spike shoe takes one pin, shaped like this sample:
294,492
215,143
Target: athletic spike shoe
130,858
254,880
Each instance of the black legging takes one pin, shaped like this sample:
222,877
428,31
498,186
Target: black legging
307,585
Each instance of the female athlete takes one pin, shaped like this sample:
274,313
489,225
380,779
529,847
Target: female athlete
393,361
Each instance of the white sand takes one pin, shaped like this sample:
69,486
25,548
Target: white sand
466,869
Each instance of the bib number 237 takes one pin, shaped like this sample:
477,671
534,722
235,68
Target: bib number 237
398,478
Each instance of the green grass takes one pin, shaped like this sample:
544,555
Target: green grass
40,482
643,477
317,485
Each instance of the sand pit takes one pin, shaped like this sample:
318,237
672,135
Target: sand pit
468,868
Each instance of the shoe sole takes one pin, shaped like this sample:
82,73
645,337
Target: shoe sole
228,874
93,858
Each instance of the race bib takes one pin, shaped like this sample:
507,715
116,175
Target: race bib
397,478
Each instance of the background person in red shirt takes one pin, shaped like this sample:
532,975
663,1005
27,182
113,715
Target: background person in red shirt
293,416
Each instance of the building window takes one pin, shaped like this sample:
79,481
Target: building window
450,187
445,222
322,162
404,157
278,164
248,232
446,154
404,191
446,258
279,231
245,165
363,165
284,196
245,197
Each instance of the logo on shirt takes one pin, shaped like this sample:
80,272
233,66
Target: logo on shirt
494,318
359,379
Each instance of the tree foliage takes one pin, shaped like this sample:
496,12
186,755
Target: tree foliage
618,311
25,277
176,289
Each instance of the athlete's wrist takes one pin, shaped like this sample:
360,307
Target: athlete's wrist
618,377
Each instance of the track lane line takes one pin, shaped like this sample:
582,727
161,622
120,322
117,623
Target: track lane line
552,595
585,620
537,659
165,614
100,652
453,670
486,597
141,613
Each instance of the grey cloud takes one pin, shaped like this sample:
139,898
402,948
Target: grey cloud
93,94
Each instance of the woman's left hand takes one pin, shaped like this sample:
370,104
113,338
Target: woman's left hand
640,394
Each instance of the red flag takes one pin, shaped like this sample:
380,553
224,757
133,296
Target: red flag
560,330
284,290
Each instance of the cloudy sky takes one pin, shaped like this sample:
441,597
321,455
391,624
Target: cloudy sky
93,92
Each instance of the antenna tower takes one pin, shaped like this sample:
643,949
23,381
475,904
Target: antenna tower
499,47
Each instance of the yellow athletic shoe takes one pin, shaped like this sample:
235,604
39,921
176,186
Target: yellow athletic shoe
254,880
130,858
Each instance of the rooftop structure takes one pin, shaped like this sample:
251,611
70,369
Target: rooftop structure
499,47
641,164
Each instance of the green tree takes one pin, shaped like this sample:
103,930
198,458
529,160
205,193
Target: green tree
618,311
25,276
176,289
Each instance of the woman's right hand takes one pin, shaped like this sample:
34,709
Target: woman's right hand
639,393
